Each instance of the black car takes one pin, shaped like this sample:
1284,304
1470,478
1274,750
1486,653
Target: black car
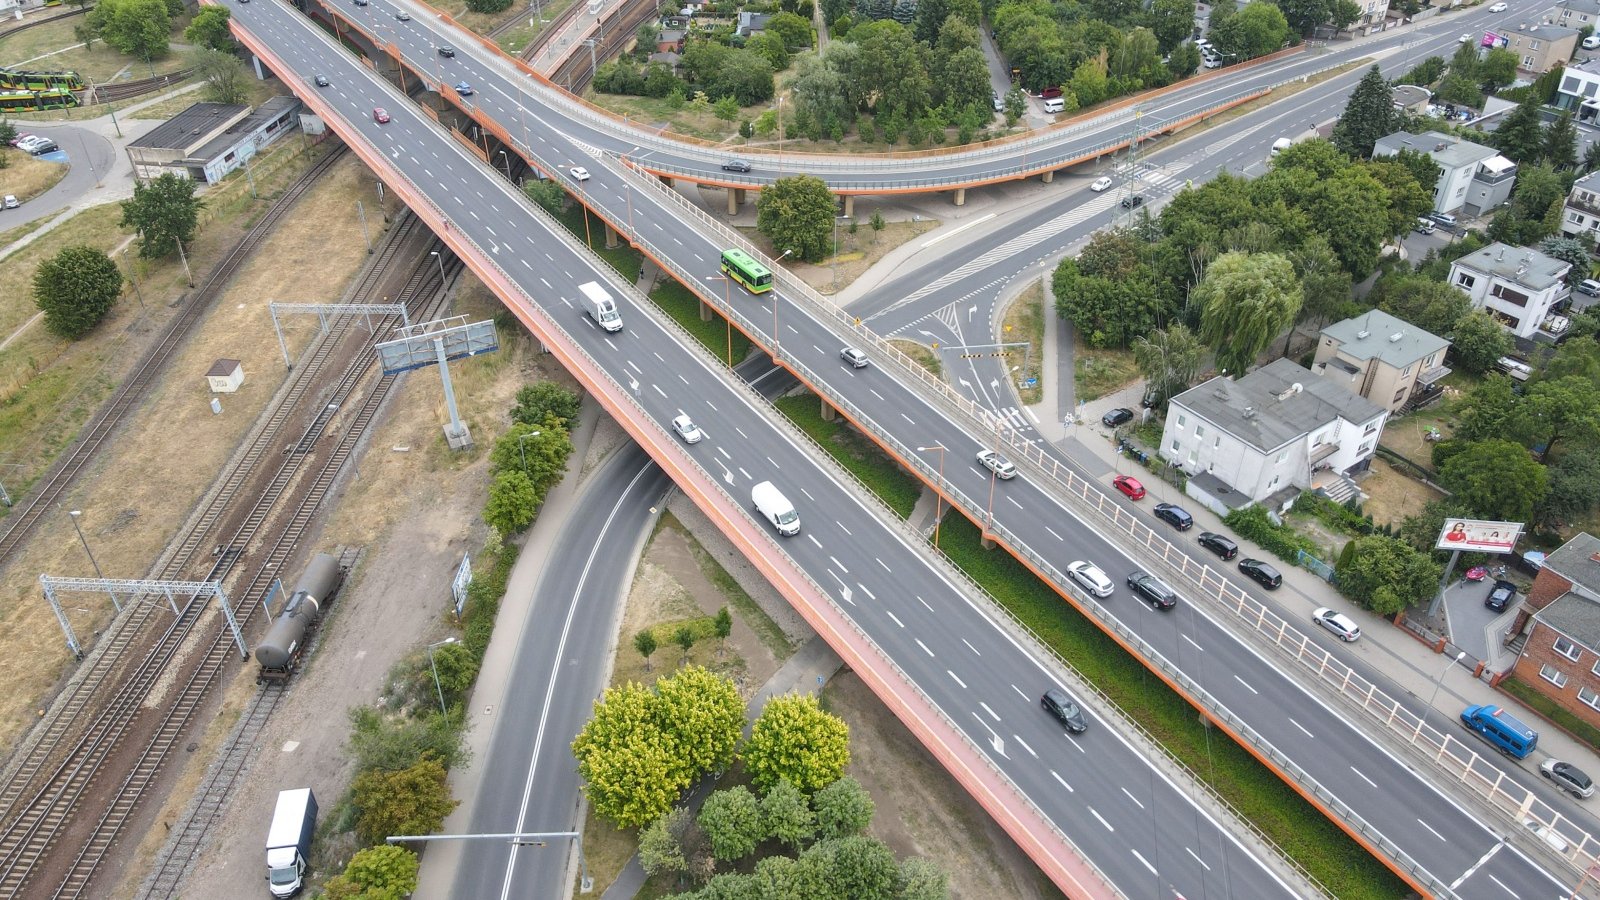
1500,596
1176,516
1261,572
1133,201
1118,416
447,52
322,81
1153,590
735,165
1058,704
1218,544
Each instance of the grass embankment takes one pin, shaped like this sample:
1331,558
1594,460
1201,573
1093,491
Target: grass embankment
1024,323
1101,372
26,177
592,230
1546,707
894,485
715,334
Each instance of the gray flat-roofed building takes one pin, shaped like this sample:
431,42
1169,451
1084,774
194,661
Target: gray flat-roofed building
1380,357
209,140
1517,286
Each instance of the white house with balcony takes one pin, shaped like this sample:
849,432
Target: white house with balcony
1516,285
1268,436
1580,88
1580,216
1472,177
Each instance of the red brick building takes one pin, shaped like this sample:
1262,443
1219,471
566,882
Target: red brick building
1562,655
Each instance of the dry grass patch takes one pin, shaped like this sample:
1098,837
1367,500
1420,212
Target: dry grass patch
1392,496
921,355
857,252
29,176
1101,372
1024,322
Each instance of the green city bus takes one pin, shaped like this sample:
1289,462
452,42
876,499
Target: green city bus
743,268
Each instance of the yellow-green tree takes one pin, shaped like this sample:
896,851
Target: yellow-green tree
795,740
384,872
413,800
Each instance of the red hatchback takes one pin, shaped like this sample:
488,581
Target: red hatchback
1129,485
380,116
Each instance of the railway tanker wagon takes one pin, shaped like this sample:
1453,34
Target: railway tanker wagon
279,651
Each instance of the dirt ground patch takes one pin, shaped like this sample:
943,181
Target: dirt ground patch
1407,435
1101,372
1392,496
29,176
857,252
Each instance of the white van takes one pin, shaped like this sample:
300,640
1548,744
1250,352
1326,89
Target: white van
1055,105
1280,145
775,508
599,306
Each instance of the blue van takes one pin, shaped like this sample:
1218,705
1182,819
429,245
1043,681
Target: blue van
1501,729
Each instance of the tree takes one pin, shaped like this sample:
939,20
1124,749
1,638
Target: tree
863,868
723,626
661,845
139,28
163,212
1324,283
75,289
223,73
1170,359
795,740
1256,30
796,214
513,502
381,742
1343,14
1477,342
1488,411
684,638
1369,115
545,401
795,31
704,712
209,28
1521,134
1305,15
86,34
414,800
843,808
1430,305
630,765
1171,20
1496,479
921,879
1574,488
1560,410
457,668
1386,575
381,872
877,224
1422,530
539,452
645,643
488,7
1108,310
1246,300
731,820
1497,69
547,193
1561,143
785,815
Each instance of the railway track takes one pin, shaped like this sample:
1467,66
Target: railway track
25,517
123,90
29,836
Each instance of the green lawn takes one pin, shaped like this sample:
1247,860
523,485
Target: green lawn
727,344
592,229
893,485
1542,704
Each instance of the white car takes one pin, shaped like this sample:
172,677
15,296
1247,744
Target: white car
580,173
1089,576
1100,184
1337,622
1591,42
999,465
1464,39
1498,8
687,430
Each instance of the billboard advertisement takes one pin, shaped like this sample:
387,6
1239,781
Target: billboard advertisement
1477,536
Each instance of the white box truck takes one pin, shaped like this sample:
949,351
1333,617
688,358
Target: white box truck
294,821
599,306
775,508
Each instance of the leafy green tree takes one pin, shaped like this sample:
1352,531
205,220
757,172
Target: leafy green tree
1562,410
163,212
1407,198
723,626
1386,575
75,289
1477,342
1561,143
645,643
457,666
209,28
544,401
863,868
843,808
1170,359
965,83
513,502
547,193
1184,60
631,766
1521,134
223,73
1430,305
1368,116
1498,69
1574,488
931,16
921,879
381,872
1343,14
877,224
1575,356
796,214
1568,250
1171,20
1305,15
1489,410
488,7
726,109
684,638
539,452
795,740
139,28
1110,310
785,815
414,800
795,31
1421,531
1496,479
661,842
706,715
770,45
731,820
1246,301
1324,283
1256,30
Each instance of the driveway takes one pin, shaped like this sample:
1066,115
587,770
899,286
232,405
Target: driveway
1474,627
94,163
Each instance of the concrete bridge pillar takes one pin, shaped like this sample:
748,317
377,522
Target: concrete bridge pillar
961,196
849,205
1049,176
665,180
987,542
733,201
705,311
828,412
612,238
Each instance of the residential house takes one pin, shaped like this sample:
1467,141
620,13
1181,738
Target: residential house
1518,286
1580,218
1373,16
1539,45
1410,99
1472,178
1268,436
1575,14
751,23
1382,358
1561,619
1580,88
671,40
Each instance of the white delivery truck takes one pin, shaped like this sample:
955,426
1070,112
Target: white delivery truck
599,306
294,821
775,508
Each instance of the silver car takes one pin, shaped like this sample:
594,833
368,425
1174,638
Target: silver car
999,465
1568,777
1090,578
687,430
854,358
1336,622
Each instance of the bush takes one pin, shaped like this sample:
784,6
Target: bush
383,871
1254,524
413,800
1341,516
391,743
488,7
75,289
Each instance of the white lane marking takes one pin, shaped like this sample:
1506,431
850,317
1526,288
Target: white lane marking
1478,865
842,528
1143,860
1502,884
1025,746
744,473
1363,777
1053,533
1193,644
924,603
885,566
1031,415
808,495
864,590
970,647
953,676
1247,685
814,540
712,405
724,453
991,712
924,647
774,463
1133,798
1197,858
1102,819
1062,781
683,379
658,356
657,389
1302,729
955,231
895,618
638,371
878,395
1430,829
840,565
907,418
1014,501
616,348
741,432
816,348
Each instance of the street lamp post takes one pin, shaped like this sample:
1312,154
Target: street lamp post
507,160
776,341
938,495
440,260
432,665
74,514
134,278
523,453
836,221
1437,683
727,303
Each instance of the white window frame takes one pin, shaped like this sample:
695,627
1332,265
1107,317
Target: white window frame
1553,675
1572,651
1592,700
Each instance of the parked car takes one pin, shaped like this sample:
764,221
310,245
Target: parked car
1337,622
1218,544
1591,42
1261,572
1119,416
1153,590
1176,516
1568,777
1500,596
1129,486
735,165
43,147
854,358
11,201
687,430
380,115
1090,578
321,80
1590,287
1058,704
1050,93
999,465
1445,219
580,173
1100,184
